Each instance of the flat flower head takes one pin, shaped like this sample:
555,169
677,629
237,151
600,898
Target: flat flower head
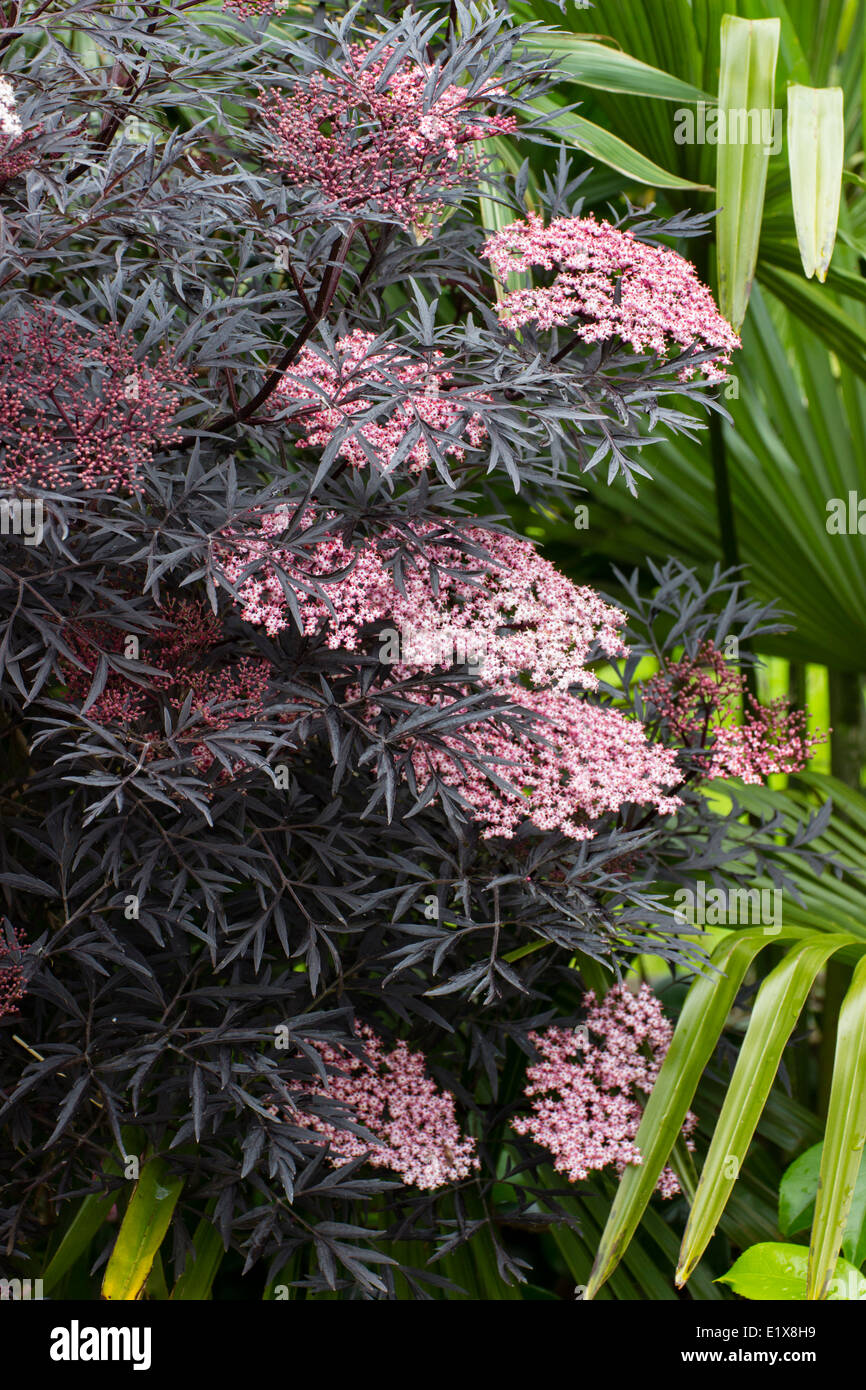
182,655
512,604
346,397
412,1122
374,137
606,284
587,762
588,1090
80,408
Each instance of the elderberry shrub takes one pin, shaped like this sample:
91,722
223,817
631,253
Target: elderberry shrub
320,787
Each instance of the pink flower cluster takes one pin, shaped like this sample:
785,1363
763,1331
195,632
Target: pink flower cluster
594,760
533,619
391,1095
12,987
367,139
249,9
344,393
527,619
700,699
79,407
222,696
13,159
617,287
588,1091
10,121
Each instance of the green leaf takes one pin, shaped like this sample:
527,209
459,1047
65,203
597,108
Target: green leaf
844,1138
92,1212
816,154
778,1271
797,440
609,70
797,1193
495,214
746,84
141,1232
202,1264
593,974
155,1285
531,1293
785,255
599,144
703,1016
776,1009
837,329
576,1243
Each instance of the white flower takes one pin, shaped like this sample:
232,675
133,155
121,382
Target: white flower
10,122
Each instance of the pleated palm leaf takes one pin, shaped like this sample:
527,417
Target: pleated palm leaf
796,446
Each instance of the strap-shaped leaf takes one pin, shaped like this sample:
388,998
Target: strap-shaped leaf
601,145
746,90
92,1212
843,1140
495,215
141,1231
609,70
816,153
776,1009
703,1016
202,1264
